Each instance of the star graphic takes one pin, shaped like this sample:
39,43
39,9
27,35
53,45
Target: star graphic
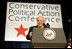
21,30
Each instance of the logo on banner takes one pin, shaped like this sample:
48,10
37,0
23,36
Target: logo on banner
49,34
21,30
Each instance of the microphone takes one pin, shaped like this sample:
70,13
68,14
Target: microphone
44,25
48,25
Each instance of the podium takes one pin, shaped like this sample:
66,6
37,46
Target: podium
38,41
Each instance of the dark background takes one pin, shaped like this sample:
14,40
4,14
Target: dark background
66,15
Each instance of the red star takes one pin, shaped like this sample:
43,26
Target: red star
21,30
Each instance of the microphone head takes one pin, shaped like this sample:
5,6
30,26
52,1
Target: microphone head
48,25
44,24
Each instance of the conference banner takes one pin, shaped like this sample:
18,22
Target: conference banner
21,16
